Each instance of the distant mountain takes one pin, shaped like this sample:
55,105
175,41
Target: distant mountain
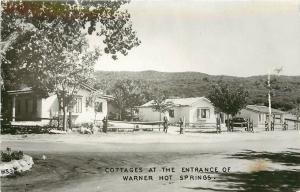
192,84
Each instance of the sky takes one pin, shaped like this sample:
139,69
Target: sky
239,38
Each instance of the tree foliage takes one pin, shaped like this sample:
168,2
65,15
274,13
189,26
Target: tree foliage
228,99
53,54
129,94
187,84
61,26
104,18
160,102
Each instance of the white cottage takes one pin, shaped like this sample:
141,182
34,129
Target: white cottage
28,105
193,110
260,114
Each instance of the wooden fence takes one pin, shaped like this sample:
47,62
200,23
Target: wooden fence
281,126
9,128
140,126
137,126
204,127
25,129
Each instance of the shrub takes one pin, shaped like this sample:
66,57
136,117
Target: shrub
17,155
8,156
5,157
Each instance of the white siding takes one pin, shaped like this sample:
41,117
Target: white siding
202,104
148,114
49,108
189,113
184,113
179,112
88,113
254,116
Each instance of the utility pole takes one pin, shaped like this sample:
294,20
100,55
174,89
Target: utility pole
269,99
297,114
269,94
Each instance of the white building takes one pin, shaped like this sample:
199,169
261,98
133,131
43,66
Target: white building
28,105
260,114
192,110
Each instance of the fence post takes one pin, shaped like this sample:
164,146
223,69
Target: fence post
285,126
251,126
266,126
248,125
13,130
218,125
296,125
231,125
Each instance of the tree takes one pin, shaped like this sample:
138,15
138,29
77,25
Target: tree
119,94
229,100
101,18
128,94
91,101
104,18
59,65
160,102
55,56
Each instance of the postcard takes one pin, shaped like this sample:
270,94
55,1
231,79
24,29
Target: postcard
150,95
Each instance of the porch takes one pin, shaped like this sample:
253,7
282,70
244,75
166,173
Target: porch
24,105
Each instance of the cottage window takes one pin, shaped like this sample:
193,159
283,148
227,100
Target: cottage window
203,113
259,117
99,107
171,113
78,105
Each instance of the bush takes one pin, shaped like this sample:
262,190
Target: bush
8,156
17,155
5,157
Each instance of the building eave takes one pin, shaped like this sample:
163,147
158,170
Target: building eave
20,91
88,87
272,111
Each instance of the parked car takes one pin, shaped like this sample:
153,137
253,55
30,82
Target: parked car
112,116
238,122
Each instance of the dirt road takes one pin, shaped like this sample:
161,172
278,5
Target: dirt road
245,162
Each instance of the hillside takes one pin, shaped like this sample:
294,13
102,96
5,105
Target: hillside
191,84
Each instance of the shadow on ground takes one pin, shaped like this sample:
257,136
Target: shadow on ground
264,180
288,158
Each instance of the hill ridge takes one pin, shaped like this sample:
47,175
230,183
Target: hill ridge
286,89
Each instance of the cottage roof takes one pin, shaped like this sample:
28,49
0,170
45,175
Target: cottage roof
26,89
23,90
107,97
263,109
291,117
179,101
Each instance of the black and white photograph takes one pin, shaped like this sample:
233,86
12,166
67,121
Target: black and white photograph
150,95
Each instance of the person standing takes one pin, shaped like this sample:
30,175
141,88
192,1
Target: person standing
104,121
165,124
180,125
